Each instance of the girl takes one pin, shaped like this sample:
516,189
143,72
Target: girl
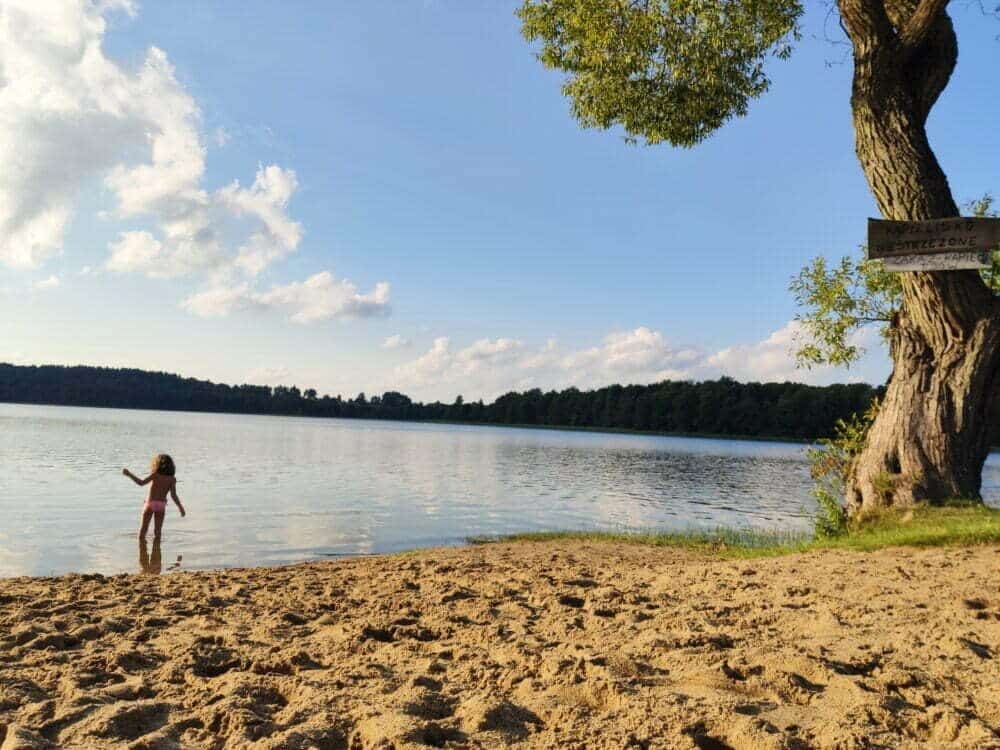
161,481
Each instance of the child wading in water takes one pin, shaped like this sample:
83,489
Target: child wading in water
161,481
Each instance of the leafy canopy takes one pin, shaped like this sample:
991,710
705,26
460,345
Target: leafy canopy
665,70
840,299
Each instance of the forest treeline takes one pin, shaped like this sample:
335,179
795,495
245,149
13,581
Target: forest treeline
719,407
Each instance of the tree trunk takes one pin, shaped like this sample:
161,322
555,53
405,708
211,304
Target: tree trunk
931,436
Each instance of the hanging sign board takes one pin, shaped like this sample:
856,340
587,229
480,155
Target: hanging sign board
939,245
940,262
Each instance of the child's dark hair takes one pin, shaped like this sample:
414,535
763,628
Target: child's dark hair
163,464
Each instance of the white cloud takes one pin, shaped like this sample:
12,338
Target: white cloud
490,367
219,301
320,297
71,118
137,252
772,359
473,365
52,282
396,342
428,368
641,350
267,201
169,183
485,350
767,360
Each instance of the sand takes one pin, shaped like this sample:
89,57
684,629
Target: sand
534,645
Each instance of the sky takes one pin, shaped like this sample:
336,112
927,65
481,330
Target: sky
371,196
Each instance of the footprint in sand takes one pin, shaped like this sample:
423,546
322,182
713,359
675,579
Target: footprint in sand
429,704
435,735
211,657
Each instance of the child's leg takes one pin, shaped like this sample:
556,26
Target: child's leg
146,515
143,555
155,562
158,523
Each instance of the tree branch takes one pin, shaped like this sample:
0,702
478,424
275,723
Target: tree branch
918,26
867,23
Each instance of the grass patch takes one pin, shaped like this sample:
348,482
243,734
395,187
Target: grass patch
923,526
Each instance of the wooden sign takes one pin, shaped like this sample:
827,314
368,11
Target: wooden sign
894,239
940,262
939,245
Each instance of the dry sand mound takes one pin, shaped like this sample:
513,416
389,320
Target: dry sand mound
536,645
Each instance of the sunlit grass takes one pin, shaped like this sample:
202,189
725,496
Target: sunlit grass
924,526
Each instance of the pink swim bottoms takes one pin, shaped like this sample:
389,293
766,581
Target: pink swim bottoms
157,506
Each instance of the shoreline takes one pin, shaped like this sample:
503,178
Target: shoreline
954,525
557,428
567,643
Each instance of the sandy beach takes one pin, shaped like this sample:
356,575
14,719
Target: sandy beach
559,644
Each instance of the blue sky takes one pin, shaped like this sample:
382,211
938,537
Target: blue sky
462,233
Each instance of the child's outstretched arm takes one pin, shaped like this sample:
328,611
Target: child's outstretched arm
136,479
177,500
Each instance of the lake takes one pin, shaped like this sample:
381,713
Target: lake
264,490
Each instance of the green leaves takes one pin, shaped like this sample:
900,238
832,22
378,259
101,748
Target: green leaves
830,465
839,301
665,70
984,207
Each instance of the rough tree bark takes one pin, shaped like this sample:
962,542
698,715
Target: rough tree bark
930,439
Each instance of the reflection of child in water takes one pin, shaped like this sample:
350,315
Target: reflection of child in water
150,565
161,481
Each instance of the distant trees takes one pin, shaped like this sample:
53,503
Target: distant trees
713,407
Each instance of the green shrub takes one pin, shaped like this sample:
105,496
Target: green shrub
830,465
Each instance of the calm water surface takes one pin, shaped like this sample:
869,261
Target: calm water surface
270,490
